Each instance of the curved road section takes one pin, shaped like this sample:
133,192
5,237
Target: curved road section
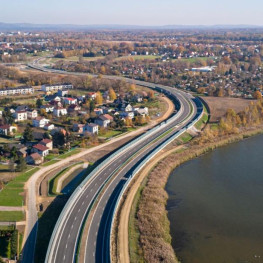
105,184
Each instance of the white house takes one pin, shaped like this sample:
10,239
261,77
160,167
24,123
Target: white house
7,129
40,122
18,90
59,111
20,115
126,107
49,127
32,114
91,128
70,101
56,87
127,114
142,110
47,108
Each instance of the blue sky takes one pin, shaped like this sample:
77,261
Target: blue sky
136,12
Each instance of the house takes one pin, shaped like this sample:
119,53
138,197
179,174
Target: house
98,111
31,114
49,127
55,103
74,107
18,90
20,115
35,159
22,152
142,111
41,149
91,95
104,120
137,98
62,92
22,108
47,108
126,107
59,111
81,98
127,114
40,122
53,98
48,143
78,127
69,101
91,128
56,87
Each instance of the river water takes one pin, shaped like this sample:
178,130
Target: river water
215,205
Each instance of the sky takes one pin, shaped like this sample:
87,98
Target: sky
136,12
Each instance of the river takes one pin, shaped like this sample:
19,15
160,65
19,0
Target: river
215,205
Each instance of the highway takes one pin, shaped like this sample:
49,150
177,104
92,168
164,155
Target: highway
111,178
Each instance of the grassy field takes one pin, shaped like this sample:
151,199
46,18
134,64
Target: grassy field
68,154
201,122
5,140
11,216
193,60
110,133
11,194
186,137
138,57
50,162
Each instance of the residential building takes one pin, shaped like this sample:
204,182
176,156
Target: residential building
15,91
40,122
73,108
20,115
7,129
49,127
91,95
47,108
41,149
31,114
127,114
78,127
62,92
142,111
98,111
35,159
126,107
59,111
104,120
48,143
91,128
70,101
56,87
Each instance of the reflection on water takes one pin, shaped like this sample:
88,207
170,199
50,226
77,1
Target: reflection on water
216,205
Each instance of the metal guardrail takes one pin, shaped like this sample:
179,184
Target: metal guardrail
78,190
141,165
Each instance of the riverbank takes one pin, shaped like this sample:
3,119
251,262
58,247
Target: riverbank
151,221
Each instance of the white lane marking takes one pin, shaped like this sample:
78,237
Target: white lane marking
75,218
